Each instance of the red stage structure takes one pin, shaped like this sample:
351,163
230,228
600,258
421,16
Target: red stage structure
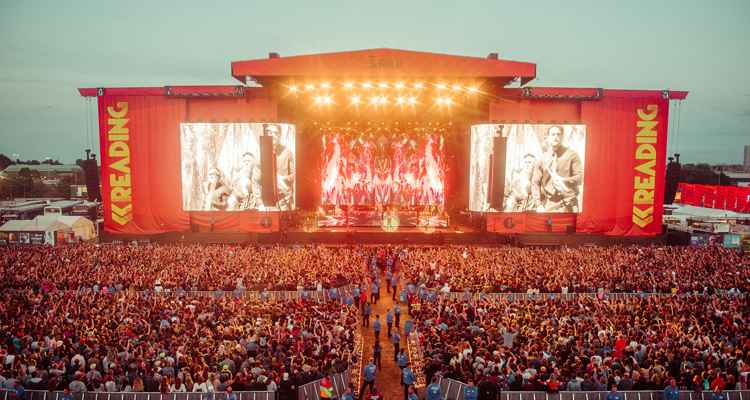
148,164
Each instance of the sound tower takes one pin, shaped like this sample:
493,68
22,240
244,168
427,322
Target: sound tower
91,171
672,180
268,180
496,191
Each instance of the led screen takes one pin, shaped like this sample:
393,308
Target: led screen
222,168
387,169
544,167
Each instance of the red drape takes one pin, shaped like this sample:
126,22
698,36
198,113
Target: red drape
708,196
721,194
687,193
731,198
742,193
698,195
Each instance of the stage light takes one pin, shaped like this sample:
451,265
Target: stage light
440,101
365,85
348,85
473,89
399,85
383,85
418,86
447,101
291,89
382,99
324,85
318,100
411,100
309,86
441,86
456,87
374,99
355,100
328,99
400,100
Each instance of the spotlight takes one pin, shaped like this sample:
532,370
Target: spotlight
318,100
382,99
399,85
309,86
365,85
328,99
473,89
441,86
348,85
374,100
440,101
411,100
447,101
418,86
291,89
456,87
400,100
355,100
383,85
324,85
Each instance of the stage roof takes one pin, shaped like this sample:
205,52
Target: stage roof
382,62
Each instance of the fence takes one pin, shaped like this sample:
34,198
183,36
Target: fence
455,390
311,390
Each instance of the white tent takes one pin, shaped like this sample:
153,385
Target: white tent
81,226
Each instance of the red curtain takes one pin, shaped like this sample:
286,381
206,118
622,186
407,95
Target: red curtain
742,193
698,195
687,193
721,194
529,222
708,196
731,198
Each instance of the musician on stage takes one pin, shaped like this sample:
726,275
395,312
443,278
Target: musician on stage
557,176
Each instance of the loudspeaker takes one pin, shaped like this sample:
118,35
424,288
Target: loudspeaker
496,190
570,229
672,181
269,185
195,228
91,171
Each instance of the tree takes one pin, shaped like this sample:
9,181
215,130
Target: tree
698,173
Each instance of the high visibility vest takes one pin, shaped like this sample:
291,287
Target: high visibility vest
326,389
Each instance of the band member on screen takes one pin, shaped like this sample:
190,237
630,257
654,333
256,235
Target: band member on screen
243,197
217,193
284,170
518,193
557,176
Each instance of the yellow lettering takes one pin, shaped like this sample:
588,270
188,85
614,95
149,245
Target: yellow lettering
119,149
647,183
122,220
648,128
642,222
123,180
641,213
647,168
122,211
653,108
122,165
637,140
123,105
642,196
645,151
118,125
120,194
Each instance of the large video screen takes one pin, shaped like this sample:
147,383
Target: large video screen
387,169
222,168
544,167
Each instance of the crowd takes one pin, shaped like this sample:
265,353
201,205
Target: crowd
91,318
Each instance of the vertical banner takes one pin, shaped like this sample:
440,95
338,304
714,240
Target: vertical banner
708,196
720,197
625,166
731,198
698,195
742,197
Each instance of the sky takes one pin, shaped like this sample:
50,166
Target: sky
48,49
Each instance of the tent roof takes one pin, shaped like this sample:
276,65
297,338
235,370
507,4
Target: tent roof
705,212
74,221
14,225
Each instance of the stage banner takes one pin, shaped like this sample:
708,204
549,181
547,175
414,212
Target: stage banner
698,240
687,193
731,198
144,174
742,197
698,195
708,196
625,166
720,197
506,222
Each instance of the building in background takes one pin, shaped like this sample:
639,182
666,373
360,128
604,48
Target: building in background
746,164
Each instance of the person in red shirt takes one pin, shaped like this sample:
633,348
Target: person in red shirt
375,395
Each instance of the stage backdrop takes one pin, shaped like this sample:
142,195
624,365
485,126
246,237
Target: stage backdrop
142,166
623,173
